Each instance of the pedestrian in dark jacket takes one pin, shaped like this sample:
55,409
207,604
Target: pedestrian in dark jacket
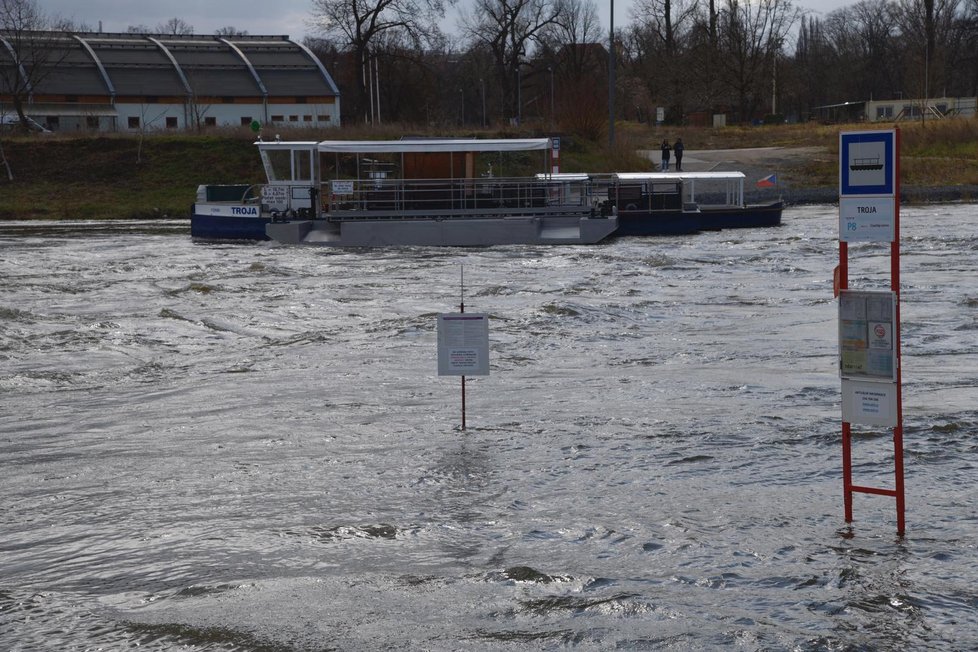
665,155
678,149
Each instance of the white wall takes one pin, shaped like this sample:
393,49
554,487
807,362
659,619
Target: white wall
154,117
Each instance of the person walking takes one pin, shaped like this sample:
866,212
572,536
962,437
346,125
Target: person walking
678,149
665,155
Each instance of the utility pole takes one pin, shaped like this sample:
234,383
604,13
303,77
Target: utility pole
611,78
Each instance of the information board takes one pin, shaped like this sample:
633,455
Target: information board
867,219
275,197
338,187
463,344
867,342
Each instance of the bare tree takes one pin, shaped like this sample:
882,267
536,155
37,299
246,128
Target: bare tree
931,41
864,40
230,30
662,35
969,38
752,36
175,27
509,29
362,25
28,53
577,26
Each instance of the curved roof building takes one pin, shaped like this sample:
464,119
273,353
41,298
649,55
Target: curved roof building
74,81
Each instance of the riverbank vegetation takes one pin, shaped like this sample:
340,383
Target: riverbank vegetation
116,176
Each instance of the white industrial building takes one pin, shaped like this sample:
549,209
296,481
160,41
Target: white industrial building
139,82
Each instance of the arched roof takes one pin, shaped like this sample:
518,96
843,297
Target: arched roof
98,64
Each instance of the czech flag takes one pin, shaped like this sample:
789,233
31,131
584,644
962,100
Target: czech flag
769,181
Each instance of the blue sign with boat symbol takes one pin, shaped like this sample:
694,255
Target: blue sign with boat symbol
866,163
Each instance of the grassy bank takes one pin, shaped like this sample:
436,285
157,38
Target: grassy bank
112,177
118,177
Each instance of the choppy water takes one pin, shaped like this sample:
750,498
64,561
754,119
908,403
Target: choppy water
246,447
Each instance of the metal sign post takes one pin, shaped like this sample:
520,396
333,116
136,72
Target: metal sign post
869,322
463,345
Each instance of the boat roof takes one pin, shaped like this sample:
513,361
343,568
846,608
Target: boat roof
563,176
678,176
287,144
434,145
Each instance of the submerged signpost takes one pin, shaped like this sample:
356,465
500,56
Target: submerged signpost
463,344
869,321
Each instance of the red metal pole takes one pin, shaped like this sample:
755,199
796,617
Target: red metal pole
847,469
846,427
895,287
461,309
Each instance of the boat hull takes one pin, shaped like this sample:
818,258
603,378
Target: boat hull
468,232
206,226
645,223
749,217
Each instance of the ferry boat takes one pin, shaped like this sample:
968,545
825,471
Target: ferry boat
450,192
419,191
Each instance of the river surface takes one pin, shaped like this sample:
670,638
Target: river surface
247,447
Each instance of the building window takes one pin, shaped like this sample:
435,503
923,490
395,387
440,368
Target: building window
92,122
884,112
293,118
210,121
323,118
307,118
278,118
171,123
133,122
246,121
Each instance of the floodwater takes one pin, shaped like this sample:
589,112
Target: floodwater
247,447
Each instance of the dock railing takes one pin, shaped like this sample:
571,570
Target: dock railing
406,198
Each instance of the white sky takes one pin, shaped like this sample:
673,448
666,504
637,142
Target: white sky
265,17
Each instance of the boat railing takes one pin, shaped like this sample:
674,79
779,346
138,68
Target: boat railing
455,197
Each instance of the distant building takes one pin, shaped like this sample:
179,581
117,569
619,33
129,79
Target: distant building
898,109
937,107
135,82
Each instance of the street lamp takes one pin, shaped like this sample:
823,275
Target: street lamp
611,78
550,69
482,85
519,93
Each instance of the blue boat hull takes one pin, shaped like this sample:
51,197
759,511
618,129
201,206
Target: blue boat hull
749,217
681,222
224,227
657,223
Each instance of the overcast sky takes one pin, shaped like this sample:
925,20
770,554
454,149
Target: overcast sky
265,17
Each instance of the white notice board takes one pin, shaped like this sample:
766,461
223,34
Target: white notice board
463,344
869,403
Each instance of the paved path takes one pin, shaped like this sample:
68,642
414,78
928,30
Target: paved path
747,159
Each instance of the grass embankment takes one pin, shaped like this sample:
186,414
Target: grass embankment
113,177
57,177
